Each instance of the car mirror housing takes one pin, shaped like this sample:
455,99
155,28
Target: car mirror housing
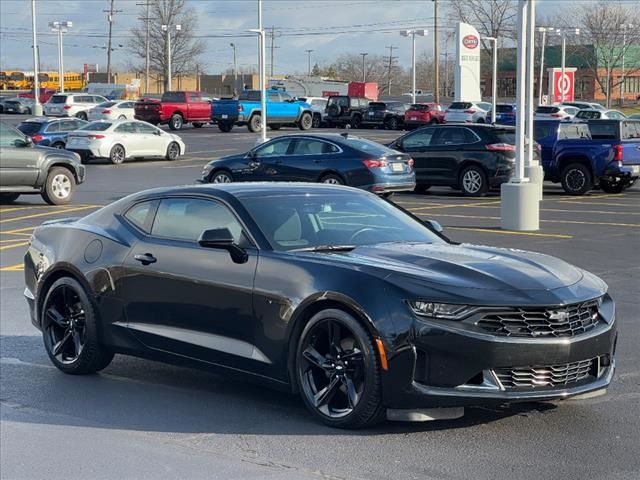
222,239
28,142
435,226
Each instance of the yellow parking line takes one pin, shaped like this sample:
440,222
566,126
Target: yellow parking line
44,214
509,232
568,211
608,204
13,268
15,209
462,205
15,245
588,197
18,231
608,224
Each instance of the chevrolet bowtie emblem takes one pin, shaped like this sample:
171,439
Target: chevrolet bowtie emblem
558,315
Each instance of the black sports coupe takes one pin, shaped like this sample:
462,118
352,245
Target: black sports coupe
329,291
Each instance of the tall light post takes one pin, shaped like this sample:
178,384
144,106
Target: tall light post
623,80
364,67
263,75
235,68
167,30
309,61
60,28
544,31
563,33
494,77
412,34
37,107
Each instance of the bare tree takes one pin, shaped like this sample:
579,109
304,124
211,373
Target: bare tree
606,42
185,49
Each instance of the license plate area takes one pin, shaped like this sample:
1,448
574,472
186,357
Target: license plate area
397,167
225,116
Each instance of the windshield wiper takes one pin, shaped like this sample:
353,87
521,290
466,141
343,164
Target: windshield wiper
325,248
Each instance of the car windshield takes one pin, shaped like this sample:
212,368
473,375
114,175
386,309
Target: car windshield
547,110
30,128
58,99
420,107
96,126
322,221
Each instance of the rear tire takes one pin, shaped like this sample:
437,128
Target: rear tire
609,187
473,181
576,179
225,127
332,179
306,121
59,186
176,121
117,154
58,145
8,197
70,329
392,123
173,151
338,371
317,120
255,124
81,115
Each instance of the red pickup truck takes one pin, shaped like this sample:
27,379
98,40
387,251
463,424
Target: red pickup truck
175,109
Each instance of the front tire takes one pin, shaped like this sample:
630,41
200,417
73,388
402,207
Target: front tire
255,124
59,186
421,188
317,120
338,371
225,127
70,329
306,121
173,151
117,154
473,181
221,176
176,121
610,187
576,179
58,145
275,126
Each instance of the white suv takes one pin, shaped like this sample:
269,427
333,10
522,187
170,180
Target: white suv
72,105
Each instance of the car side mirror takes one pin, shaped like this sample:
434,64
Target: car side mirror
222,239
397,144
26,142
157,132
433,225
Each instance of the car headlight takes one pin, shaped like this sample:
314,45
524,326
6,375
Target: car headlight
445,311
207,170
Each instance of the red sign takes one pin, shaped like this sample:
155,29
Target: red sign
470,42
563,87
326,93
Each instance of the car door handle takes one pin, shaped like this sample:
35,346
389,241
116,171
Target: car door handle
146,258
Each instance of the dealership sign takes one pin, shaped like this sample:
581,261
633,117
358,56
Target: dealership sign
467,71
561,88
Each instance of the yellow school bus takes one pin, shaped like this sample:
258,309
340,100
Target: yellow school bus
72,80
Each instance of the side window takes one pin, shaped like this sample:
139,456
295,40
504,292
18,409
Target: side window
274,97
67,125
275,148
144,128
313,147
187,218
53,127
79,123
97,99
10,137
126,128
470,136
141,215
194,97
285,97
450,136
603,131
126,105
630,130
541,130
418,140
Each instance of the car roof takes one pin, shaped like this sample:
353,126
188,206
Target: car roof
474,125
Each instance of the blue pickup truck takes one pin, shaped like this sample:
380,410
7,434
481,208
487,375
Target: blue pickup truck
585,155
282,109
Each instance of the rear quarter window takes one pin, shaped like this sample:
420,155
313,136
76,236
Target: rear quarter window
30,128
173,97
630,130
141,215
58,99
574,131
603,131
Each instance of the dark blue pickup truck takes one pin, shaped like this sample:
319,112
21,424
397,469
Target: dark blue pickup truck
585,155
282,109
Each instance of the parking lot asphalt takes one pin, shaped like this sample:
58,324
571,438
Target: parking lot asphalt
140,419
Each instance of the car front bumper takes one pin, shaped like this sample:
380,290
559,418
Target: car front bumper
392,186
454,367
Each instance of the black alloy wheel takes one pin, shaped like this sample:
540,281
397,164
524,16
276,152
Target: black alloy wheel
69,329
576,179
356,121
173,151
317,120
392,123
176,121
58,145
338,371
332,179
612,187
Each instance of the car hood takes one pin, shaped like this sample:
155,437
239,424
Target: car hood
467,266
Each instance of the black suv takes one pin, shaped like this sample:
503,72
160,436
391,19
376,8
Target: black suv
472,158
389,115
343,109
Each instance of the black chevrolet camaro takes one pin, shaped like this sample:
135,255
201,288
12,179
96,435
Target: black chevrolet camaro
329,291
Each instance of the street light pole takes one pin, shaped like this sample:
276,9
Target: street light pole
413,33
563,33
235,69
544,31
494,78
309,61
263,75
364,70
436,54
60,28
37,107
167,30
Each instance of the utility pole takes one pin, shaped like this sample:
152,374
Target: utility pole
235,70
364,69
60,28
272,48
110,13
391,49
309,61
167,30
146,19
37,107
544,31
436,54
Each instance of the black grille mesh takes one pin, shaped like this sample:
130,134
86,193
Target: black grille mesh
546,376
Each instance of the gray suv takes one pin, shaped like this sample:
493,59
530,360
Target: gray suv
28,169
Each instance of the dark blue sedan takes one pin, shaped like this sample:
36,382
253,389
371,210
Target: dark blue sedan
50,132
339,159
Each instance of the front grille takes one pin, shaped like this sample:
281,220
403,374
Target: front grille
566,321
547,376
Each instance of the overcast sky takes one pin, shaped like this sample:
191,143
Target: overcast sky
364,26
